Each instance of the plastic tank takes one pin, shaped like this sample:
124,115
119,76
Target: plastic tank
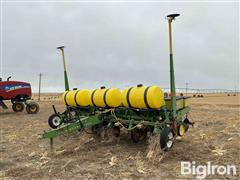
106,97
77,98
141,97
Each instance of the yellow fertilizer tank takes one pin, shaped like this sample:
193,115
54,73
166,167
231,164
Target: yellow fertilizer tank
77,98
142,97
106,97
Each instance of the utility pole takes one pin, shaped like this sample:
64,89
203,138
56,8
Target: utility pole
186,87
39,86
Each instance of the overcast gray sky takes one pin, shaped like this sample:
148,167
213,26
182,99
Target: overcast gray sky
120,44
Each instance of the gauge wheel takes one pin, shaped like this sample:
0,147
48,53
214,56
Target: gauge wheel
138,135
18,106
32,108
166,139
54,121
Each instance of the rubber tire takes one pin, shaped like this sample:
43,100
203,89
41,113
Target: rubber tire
138,135
50,121
164,138
30,106
21,106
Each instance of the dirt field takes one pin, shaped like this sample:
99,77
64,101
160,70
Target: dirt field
215,138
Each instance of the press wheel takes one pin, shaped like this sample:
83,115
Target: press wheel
138,135
116,131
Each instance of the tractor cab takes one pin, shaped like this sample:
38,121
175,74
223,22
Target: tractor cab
18,93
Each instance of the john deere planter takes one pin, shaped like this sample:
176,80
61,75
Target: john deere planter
140,109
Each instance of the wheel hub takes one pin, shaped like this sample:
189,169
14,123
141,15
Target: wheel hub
18,107
33,108
170,138
181,130
56,121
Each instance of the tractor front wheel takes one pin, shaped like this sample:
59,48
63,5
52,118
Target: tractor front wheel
32,108
166,139
18,106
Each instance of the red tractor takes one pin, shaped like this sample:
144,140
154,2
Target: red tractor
19,93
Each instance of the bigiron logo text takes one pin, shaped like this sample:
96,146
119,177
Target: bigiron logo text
201,171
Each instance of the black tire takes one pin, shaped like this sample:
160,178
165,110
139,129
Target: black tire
54,121
166,139
18,106
138,135
32,108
